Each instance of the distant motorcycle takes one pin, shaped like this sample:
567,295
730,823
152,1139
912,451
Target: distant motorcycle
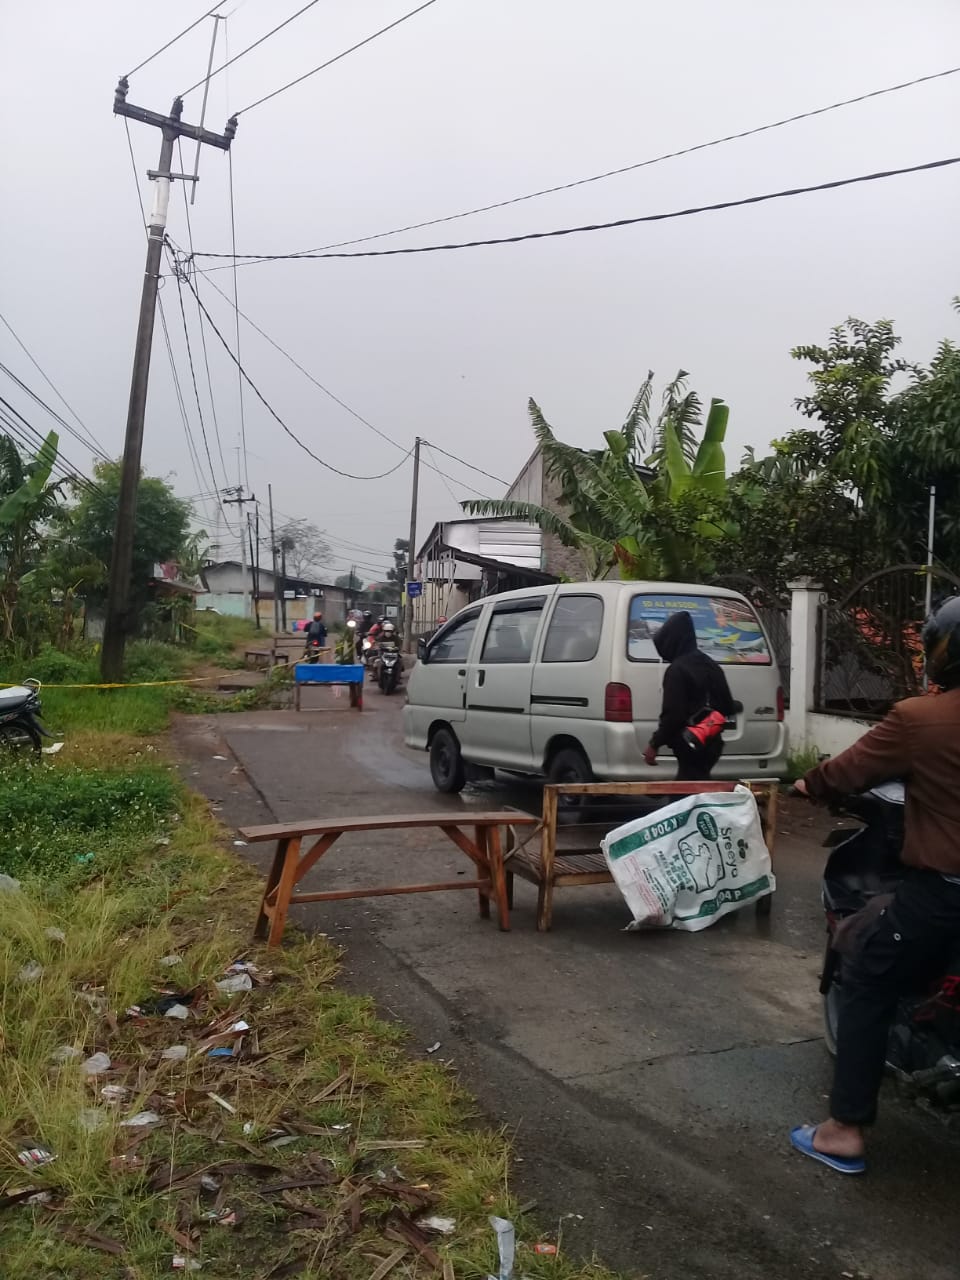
312,653
923,1050
20,726
389,668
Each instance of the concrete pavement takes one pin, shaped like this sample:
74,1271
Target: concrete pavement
649,1079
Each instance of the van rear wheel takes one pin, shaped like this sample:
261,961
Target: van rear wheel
570,765
446,762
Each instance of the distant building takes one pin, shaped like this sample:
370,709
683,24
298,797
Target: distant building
534,485
463,560
300,598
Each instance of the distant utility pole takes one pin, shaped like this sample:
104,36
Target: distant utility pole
411,550
117,622
273,552
254,570
240,501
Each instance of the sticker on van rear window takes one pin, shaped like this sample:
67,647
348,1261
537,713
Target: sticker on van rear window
727,630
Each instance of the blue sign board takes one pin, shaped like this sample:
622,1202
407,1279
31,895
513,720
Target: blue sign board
414,589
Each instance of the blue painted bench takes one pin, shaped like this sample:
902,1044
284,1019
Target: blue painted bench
329,673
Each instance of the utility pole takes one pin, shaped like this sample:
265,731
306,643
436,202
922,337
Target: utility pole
411,550
117,623
254,573
273,552
283,593
240,501
256,583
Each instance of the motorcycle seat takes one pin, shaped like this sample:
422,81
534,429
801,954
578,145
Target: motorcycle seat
18,696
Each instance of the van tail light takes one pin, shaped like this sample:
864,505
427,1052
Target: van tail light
618,704
780,702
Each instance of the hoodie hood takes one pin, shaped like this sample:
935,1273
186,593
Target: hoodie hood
676,637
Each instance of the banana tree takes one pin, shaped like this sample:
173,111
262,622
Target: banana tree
27,501
649,503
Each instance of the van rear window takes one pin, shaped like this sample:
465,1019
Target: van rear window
728,630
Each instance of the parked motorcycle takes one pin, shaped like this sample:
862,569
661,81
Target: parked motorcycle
20,725
390,665
923,1051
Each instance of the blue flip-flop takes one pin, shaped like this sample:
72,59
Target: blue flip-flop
801,1139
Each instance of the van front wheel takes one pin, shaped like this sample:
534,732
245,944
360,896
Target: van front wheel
446,762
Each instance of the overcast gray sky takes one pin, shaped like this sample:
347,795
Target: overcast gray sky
470,102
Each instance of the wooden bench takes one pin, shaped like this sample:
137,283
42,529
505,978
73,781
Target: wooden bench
539,860
291,863
265,657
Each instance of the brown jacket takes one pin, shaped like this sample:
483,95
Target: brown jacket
919,741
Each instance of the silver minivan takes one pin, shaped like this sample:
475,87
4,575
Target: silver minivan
565,681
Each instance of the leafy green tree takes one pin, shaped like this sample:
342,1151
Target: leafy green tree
349,582
306,547
652,503
161,529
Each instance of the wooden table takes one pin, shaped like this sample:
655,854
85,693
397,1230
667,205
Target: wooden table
291,863
330,673
550,867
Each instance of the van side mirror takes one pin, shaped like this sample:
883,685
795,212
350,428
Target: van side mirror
422,649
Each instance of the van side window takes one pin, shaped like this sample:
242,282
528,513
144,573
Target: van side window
574,633
511,633
454,644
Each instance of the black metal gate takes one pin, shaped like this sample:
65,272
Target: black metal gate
870,647
773,611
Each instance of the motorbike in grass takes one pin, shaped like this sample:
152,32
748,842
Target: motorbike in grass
862,872
21,729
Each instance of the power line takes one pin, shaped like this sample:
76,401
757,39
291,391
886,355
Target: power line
273,413
52,412
464,463
237,56
342,403
31,437
191,447
97,447
236,310
604,226
193,378
336,58
164,47
445,483
203,332
642,164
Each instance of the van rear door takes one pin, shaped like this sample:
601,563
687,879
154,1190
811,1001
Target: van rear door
729,631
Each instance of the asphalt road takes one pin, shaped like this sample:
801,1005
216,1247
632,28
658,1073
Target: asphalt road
649,1079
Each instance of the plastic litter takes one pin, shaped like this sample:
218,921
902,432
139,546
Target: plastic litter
220,1053
440,1226
54,749
154,1006
506,1246
35,1157
181,1263
235,984
434,1047
84,859
219,757
8,884
66,1053
222,1217
91,1119
140,1120
177,1011
114,1094
55,934
169,961
241,966
31,972
176,1053
238,1028
211,1183
239,844
248,1128
549,1250
97,1064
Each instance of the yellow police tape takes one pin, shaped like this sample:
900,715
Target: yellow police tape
133,684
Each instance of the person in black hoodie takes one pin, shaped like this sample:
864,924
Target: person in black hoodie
691,682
